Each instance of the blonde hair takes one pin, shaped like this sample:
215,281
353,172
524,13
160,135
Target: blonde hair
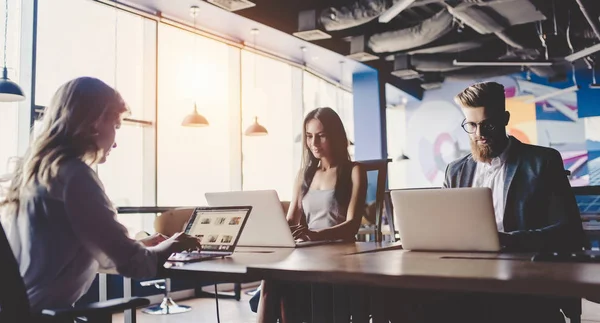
68,130
489,95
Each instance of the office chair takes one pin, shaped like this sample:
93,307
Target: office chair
14,304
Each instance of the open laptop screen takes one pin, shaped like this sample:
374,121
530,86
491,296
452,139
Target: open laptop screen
218,228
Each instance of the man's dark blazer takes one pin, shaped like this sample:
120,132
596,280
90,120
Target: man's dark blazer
541,213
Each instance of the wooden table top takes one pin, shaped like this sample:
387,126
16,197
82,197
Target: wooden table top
235,268
477,272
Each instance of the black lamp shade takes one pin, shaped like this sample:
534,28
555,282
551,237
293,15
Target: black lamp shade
9,90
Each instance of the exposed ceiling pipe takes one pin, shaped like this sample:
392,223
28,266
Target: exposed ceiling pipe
444,62
583,53
503,63
394,10
355,14
449,48
413,37
361,12
478,73
589,19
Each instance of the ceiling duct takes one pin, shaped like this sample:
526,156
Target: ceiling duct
232,5
394,10
307,27
481,72
403,67
432,81
494,17
358,50
424,33
445,62
449,48
356,14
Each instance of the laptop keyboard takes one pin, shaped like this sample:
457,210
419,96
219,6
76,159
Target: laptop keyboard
192,256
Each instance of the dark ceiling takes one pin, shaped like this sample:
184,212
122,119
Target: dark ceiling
422,42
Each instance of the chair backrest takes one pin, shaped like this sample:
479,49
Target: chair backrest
381,166
285,205
172,221
14,304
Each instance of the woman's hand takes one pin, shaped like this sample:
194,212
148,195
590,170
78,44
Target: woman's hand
177,243
183,242
301,232
153,240
298,230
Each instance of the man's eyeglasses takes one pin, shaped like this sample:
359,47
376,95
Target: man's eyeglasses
486,125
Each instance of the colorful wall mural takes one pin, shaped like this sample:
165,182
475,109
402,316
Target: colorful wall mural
432,136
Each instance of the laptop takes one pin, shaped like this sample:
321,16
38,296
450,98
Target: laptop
219,230
267,227
457,219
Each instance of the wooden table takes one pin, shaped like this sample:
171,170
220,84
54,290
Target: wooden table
468,272
237,268
375,266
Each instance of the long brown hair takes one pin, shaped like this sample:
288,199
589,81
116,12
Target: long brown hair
334,129
67,131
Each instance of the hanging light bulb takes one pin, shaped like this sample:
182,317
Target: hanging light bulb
194,119
256,129
9,90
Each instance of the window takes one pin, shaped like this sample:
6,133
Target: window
192,161
267,93
318,93
9,111
122,54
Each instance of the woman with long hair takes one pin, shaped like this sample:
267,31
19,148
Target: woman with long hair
329,196
59,222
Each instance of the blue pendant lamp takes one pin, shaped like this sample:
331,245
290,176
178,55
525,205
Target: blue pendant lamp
9,90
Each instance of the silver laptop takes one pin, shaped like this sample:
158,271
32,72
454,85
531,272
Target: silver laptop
219,230
458,219
267,225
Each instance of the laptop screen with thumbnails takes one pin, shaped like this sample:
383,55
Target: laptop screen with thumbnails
218,228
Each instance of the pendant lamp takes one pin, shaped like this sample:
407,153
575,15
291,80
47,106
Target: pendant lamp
194,119
255,129
9,90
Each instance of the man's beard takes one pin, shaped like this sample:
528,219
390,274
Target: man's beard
482,153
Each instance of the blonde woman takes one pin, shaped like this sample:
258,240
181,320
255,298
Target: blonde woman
60,224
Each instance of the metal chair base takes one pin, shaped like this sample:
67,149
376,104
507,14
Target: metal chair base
166,307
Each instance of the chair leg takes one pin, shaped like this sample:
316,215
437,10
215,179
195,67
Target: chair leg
167,306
